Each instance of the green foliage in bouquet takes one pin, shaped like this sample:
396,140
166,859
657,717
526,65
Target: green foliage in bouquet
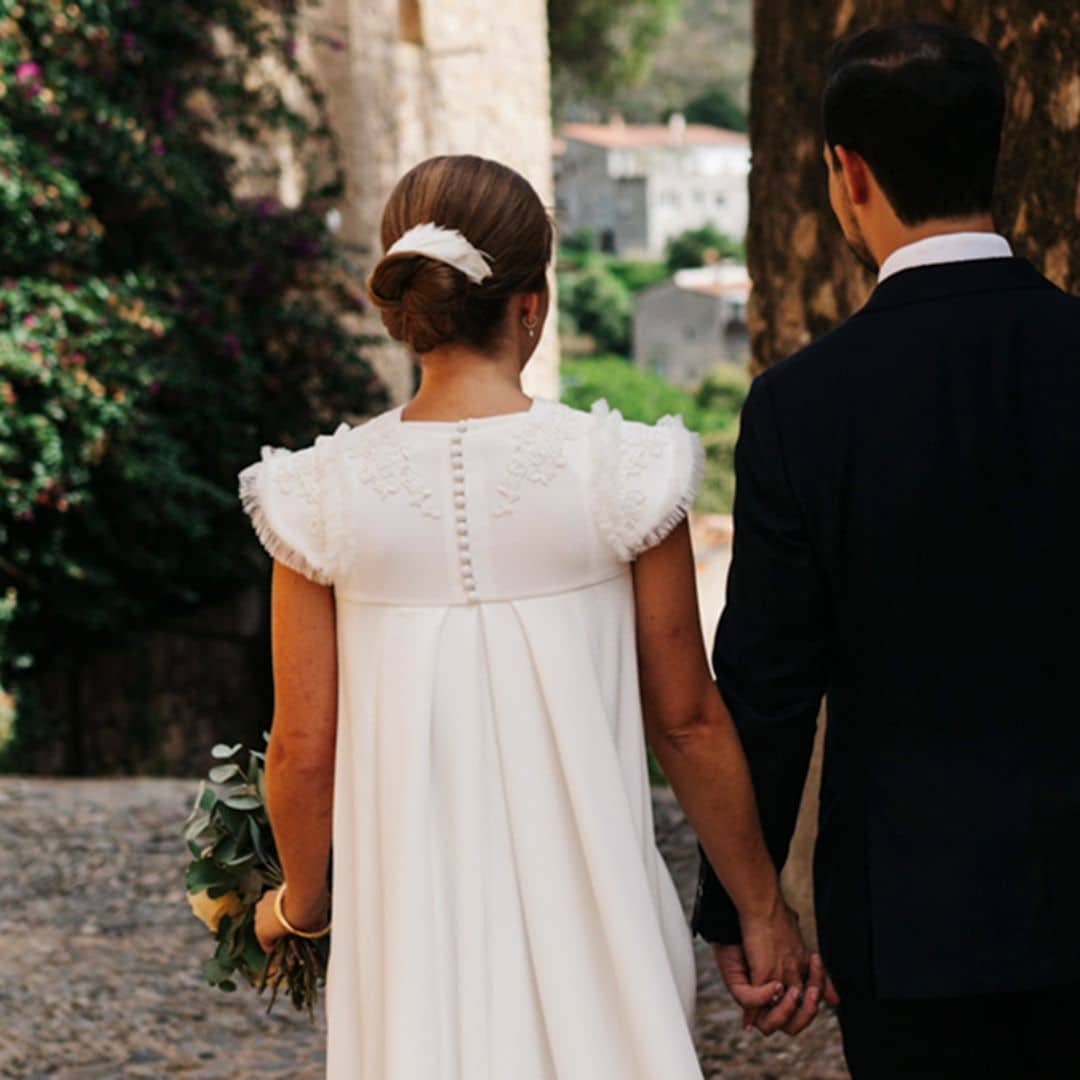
162,312
234,862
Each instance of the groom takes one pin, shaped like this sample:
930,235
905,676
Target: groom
907,541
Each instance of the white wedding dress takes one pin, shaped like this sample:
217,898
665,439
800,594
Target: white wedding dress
500,909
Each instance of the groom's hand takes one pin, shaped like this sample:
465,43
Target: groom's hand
770,1007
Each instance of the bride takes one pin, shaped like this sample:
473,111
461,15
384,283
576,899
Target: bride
480,601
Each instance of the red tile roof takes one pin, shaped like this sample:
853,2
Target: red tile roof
629,136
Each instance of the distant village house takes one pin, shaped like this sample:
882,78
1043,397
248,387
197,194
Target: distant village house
686,327
638,185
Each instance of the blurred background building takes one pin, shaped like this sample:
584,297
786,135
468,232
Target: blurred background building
637,186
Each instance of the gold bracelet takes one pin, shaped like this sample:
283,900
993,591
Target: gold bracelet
289,926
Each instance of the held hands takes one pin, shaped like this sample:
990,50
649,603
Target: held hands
778,984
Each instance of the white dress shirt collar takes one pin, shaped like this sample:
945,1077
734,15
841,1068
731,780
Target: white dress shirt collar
946,248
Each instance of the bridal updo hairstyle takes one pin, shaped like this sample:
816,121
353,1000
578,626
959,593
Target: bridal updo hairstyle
426,303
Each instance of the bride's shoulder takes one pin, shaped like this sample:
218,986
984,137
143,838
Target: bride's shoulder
646,477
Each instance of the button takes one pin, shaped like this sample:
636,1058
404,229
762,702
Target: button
459,501
463,530
461,515
463,542
466,559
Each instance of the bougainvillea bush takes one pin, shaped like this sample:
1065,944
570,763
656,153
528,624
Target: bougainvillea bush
161,312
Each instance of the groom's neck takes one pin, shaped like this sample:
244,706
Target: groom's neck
893,235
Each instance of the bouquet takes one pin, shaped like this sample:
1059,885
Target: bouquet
234,862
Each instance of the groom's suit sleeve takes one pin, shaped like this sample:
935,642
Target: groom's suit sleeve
769,652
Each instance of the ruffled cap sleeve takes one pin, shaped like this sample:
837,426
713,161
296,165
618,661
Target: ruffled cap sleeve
290,498
645,478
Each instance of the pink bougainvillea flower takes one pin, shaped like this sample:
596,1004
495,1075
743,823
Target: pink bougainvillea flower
26,71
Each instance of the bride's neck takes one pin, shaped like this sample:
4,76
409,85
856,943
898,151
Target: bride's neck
458,381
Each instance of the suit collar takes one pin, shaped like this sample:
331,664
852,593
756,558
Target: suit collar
935,282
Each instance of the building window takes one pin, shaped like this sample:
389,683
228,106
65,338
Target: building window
411,26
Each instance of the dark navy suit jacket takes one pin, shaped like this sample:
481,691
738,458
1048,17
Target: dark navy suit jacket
907,541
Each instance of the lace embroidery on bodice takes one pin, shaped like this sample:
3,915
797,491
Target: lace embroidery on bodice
537,457
382,462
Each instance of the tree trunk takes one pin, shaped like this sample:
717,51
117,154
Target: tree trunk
805,279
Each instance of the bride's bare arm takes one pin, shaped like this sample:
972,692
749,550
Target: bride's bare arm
300,757
695,741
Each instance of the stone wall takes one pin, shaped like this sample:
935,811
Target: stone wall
409,79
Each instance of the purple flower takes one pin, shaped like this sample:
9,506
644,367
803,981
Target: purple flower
26,71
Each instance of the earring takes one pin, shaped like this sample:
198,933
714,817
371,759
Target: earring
530,325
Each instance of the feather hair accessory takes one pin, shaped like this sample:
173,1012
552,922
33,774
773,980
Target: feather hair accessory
445,245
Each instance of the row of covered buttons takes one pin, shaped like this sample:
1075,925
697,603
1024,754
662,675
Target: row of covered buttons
461,517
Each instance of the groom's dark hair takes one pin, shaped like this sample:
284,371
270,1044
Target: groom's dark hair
923,106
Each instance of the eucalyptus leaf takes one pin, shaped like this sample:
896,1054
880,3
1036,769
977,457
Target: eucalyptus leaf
243,802
214,970
220,750
220,773
202,874
256,839
225,849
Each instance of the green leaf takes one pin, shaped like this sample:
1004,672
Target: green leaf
220,773
234,821
202,874
256,840
214,970
220,750
225,849
243,802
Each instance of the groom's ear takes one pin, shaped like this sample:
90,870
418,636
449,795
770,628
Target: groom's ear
856,175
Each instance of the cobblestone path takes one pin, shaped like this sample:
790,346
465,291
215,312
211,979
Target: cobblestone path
99,956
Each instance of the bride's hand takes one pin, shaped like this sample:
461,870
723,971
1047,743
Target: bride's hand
774,947
268,928
775,954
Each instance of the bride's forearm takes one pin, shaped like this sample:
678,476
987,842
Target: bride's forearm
299,797
705,765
